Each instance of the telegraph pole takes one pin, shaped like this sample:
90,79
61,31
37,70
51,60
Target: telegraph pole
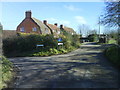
99,26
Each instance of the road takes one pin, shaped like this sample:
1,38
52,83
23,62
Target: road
85,67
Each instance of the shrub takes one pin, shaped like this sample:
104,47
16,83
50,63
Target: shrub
50,42
7,74
53,51
27,43
62,50
112,41
113,54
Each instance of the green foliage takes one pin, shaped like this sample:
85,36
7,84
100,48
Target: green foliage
75,41
53,51
6,68
7,65
93,38
50,42
62,50
112,41
28,43
113,54
70,40
25,45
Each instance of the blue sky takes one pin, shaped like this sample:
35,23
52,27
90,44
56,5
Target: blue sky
71,14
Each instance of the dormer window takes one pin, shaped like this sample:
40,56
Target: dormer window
46,30
34,29
58,32
22,29
53,30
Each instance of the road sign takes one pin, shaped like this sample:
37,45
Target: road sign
60,43
39,45
59,39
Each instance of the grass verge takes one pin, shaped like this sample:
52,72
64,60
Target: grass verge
113,54
6,72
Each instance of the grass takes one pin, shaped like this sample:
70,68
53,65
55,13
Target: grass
113,54
5,71
112,41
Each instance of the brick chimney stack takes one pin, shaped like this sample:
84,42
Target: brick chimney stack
61,26
28,14
45,22
56,24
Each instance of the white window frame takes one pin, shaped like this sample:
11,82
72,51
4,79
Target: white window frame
46,30
53,30
58,32
22,29
34,29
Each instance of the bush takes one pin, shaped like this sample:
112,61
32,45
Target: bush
112,41
70,40
7,71
27,43
53,51
113,54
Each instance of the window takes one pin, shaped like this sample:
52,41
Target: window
53,30
34,29
46,30
58,32
22,29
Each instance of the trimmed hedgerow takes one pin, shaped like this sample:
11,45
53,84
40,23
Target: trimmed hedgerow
113,54
25,45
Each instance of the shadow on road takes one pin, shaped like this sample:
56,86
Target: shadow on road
84,68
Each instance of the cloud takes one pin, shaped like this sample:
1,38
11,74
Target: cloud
80,19
71,8
54,20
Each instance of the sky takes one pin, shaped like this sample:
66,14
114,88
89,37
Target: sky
71,14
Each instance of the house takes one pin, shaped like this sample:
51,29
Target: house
55,30
67,29
32,25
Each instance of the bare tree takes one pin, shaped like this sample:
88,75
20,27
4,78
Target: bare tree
112,14
111,17
84,29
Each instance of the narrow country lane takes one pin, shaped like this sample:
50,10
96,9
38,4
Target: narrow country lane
85,67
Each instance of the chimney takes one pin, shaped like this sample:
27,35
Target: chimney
55,24
28,14
61,26
45,22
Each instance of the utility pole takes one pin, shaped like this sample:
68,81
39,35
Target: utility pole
99,26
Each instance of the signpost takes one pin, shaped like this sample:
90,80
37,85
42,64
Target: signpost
39,45
59,39
60,43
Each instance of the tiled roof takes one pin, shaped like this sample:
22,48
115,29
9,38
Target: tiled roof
53,26
68,29
8,33
42,26
55,29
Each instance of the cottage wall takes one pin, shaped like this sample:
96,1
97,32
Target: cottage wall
28,25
